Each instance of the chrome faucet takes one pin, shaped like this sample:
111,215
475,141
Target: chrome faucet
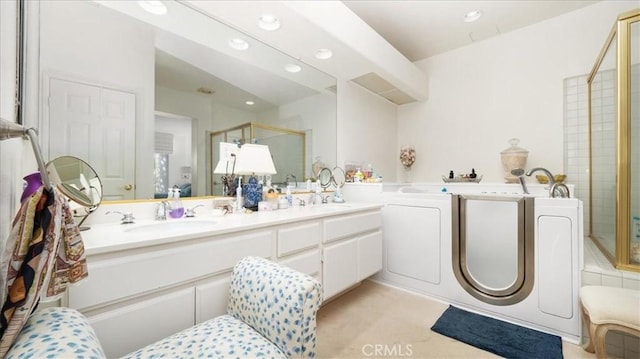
323,199
191,212
161,211
552,182
127,218
287,183
546,171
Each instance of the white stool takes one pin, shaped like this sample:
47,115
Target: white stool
609,308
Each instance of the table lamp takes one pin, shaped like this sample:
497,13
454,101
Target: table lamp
226,167
253,159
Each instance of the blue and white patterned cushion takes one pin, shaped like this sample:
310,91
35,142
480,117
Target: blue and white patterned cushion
221,337
278,302
271,314
56,332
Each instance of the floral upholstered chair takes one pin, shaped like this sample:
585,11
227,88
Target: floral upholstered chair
271,314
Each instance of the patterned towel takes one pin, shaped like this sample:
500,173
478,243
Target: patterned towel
43,254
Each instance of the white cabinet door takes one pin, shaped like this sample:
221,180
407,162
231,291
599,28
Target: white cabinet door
369,254
554,266
134,326
339,267
412,240
212,298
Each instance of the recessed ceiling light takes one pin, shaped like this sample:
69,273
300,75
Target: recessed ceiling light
292,68
153,6
472,16
238,44
323,54
249,102
269,22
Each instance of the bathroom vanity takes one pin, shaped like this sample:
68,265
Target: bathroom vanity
153,278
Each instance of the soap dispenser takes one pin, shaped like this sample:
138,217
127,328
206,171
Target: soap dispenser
177,209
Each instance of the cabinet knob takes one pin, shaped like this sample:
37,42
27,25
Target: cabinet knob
128,187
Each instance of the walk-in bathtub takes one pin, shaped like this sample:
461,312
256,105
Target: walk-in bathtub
489,249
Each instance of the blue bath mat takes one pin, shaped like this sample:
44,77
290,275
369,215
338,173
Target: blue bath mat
498,337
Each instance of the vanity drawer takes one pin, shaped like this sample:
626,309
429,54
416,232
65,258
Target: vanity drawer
299,237
342,227
120,277
307,263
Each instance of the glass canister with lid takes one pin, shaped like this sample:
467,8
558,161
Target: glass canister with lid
512,158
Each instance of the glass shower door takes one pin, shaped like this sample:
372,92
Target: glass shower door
614,99
634,143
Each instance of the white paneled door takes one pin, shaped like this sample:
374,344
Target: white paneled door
97,125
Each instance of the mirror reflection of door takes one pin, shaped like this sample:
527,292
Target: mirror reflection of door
97,125
173,159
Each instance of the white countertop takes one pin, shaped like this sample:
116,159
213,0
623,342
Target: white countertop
113,236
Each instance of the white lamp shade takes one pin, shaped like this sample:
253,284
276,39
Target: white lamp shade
254,159
224,166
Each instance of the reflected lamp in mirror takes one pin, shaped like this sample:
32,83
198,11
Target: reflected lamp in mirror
252,160
226,167
79,182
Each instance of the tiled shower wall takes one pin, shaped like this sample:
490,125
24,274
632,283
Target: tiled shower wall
576,164
576,139
576,143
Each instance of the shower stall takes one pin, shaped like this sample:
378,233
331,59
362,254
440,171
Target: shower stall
614,131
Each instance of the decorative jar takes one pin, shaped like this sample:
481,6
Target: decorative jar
512,158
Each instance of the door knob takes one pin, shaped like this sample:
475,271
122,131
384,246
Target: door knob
128,187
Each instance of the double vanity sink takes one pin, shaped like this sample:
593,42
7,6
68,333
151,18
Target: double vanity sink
111,236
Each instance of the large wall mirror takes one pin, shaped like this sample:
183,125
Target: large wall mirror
119,85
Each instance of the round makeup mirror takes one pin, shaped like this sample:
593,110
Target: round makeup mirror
338,177
78,181
325,177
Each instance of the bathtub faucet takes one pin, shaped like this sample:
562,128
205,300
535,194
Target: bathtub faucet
552,182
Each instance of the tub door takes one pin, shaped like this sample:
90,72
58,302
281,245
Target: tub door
493,246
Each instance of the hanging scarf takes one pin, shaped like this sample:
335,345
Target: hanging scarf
43,254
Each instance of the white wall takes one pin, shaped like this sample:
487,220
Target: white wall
367,130
507,86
